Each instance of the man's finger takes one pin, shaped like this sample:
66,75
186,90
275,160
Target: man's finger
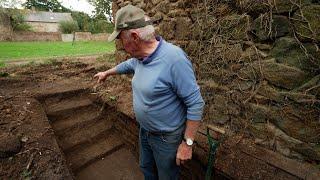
96,75
178,161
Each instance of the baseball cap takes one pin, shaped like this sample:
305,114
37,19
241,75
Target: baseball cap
128,17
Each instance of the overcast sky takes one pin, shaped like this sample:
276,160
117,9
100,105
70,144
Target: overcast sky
76,5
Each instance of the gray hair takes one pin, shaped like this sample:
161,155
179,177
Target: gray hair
146,33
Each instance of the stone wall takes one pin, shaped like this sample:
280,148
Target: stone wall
44,26
85,36
36,36
100,37
258,65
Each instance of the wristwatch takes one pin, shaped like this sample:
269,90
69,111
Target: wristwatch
188,141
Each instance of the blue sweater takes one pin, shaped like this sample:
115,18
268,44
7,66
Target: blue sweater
165,91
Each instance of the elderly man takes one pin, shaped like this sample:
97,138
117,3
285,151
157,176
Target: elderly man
166,98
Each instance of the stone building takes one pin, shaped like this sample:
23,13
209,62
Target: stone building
41,21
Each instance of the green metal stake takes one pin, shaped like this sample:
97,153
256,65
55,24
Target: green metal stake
212,151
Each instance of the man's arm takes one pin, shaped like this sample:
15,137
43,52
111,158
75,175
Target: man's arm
184,151
125,67
186,87
191,129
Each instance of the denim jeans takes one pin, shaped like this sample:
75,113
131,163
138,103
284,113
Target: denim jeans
158,154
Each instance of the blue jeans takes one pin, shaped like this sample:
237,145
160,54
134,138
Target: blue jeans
158,154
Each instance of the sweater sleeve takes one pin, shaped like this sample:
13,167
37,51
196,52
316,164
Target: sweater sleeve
185,85
126,67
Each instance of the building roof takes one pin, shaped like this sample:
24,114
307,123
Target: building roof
53,17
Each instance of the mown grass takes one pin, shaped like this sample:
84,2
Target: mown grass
2,64
31,50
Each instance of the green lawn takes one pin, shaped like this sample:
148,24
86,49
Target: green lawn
30,50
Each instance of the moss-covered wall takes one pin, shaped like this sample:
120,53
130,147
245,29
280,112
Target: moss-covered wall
258,64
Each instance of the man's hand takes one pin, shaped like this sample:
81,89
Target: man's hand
102,76
184,153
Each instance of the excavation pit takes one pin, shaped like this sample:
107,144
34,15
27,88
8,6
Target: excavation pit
61,127
90,135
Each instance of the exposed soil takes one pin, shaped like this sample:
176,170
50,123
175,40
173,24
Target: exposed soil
39,155
56,123
52,125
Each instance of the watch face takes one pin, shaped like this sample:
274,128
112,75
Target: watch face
189,142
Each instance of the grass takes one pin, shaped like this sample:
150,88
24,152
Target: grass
33,50
2,64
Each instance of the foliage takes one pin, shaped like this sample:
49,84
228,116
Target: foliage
68,27
93,25
82,19
46,5
26,174
102,9
2,64
23,27
17,20
101,26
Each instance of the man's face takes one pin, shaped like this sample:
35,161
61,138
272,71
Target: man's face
129,44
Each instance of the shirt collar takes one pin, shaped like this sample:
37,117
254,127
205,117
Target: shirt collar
149,58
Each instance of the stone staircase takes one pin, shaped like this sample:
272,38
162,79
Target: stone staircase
86,133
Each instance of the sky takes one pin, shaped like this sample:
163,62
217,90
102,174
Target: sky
76,5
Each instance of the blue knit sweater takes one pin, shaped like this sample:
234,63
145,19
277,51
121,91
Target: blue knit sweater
165,91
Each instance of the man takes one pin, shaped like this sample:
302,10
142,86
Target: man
166,98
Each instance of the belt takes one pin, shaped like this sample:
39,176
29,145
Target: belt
162,133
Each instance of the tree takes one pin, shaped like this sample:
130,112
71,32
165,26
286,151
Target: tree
101,26
46,5
68,27
82,19
102,9
14,18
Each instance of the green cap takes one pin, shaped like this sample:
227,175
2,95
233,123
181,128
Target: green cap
128,17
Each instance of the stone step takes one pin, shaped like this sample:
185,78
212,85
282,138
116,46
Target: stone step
119,165
66,106
69,140
92,151
78,118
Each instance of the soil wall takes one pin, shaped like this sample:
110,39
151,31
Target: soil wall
258,65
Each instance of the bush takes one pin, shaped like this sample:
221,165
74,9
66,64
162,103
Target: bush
82,19
17,20
68,27
101,26
23,27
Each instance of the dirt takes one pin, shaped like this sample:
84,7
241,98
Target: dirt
39,155
57,123
30,147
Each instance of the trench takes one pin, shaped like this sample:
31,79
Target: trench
98,141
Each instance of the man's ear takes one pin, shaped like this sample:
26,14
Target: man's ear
135,36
